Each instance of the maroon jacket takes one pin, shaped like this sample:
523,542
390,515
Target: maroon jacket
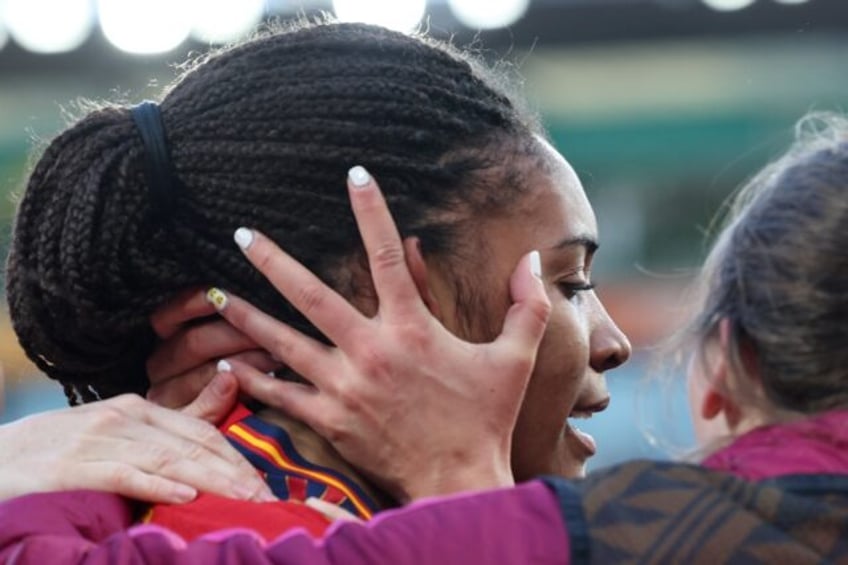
777,494
520,525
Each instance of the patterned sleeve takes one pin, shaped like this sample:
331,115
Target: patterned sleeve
662,512
518,525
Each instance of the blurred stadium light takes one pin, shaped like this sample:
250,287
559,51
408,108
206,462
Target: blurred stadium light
48,26
158,26
488,14
145,27
401,15
728,5
222,21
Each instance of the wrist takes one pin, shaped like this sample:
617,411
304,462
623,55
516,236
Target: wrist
479,473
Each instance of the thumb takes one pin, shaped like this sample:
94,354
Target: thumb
216,400
527,318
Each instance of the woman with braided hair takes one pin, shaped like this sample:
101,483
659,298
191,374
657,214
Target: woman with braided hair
768,377
132,207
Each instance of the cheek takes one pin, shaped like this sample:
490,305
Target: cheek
565,346
563,357
559,374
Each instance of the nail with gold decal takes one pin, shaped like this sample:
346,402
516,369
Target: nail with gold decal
217,298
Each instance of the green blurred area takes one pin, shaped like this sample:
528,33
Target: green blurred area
661,132
658,184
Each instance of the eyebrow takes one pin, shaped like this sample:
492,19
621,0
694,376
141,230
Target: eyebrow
590,243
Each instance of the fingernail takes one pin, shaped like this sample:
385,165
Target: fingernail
217,298
243,238
220,384
184,493
224,366
536,264
359,176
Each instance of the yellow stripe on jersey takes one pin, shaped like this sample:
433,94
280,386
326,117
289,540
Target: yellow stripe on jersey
280,459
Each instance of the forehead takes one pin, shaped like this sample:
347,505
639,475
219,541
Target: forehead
556,202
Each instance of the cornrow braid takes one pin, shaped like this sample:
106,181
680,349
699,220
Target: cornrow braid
259,135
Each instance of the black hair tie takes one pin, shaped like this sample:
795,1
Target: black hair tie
162,181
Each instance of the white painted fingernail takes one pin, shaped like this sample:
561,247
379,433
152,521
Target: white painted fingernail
243,237
536,264
358,176
224,366
217,298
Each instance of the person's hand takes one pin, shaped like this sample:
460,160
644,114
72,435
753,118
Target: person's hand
417,409
132,447
190,346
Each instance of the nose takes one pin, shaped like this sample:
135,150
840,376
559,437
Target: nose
609,347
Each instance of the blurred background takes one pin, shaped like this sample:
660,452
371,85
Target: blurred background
663,106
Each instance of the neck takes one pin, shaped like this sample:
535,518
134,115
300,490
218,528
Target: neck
317,450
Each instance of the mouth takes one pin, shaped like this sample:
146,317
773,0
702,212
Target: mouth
584,412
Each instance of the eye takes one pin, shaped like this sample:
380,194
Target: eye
570,289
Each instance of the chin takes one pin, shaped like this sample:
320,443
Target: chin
575,450
565,457
569,461
572,469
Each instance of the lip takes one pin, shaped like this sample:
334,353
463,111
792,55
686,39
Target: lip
585,411
587,442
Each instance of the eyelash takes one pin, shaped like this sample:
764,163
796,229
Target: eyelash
570,290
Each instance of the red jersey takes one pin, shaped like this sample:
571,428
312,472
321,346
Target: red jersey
291,478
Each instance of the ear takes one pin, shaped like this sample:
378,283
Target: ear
420,274
712,403
716,399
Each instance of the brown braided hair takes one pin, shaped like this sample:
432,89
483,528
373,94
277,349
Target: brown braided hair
261,135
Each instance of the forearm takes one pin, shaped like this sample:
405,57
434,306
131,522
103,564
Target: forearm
520,525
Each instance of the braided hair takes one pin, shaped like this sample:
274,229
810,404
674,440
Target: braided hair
259,135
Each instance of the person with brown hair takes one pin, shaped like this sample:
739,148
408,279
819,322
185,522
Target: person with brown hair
778,492
131,208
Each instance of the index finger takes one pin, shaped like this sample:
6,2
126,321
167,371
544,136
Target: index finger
320,304
396,291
